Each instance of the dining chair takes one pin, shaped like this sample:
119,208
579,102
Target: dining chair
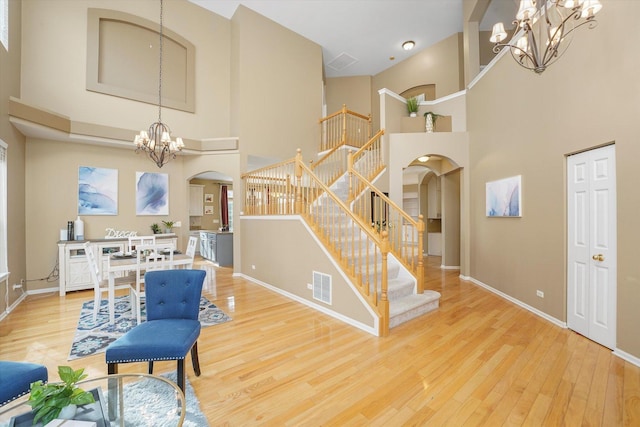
149,258
135,241
172,327
191,249
101,285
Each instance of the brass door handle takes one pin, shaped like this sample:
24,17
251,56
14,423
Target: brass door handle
598,257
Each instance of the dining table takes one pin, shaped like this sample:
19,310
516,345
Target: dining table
124,264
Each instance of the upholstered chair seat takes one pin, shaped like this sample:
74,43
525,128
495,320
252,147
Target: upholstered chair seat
16,378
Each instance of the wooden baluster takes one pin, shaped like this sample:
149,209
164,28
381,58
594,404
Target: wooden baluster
384,300
420,275
350,172
298,181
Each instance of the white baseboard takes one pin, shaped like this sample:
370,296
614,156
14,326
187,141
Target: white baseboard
627,357
449,267
366,328
13,306
43,291
520,303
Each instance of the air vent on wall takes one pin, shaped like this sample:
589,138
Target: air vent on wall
322,287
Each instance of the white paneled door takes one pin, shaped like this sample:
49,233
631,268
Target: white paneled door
591,225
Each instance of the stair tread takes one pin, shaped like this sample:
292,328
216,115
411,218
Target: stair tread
409,302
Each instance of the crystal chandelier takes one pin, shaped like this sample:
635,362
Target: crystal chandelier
157,142
554,20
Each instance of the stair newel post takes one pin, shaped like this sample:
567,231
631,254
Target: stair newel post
344,124
350,197
370,127
420,275
385,247
298,206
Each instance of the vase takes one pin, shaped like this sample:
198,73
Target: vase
68,412
413,114
429,123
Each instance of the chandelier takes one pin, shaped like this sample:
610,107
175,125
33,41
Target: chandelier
555,19
157,142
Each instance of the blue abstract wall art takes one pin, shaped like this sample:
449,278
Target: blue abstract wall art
97,191
152,193
504,197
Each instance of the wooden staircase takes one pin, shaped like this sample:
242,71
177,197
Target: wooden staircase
405,303
377,245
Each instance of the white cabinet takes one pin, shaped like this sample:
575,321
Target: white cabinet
196,200
434,241
74,269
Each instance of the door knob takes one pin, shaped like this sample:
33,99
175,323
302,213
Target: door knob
598,257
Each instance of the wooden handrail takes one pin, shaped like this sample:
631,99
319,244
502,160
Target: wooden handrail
344,127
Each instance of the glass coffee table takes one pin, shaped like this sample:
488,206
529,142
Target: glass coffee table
121,400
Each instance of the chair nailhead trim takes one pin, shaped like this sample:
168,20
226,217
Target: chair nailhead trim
145,360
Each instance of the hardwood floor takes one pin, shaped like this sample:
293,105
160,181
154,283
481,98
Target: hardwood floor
478,360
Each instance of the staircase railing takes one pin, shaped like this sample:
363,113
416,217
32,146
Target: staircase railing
291,187
344,127
332,165
405,234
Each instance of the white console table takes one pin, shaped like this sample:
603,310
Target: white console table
74,270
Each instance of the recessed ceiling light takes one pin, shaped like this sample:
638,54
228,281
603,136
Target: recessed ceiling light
423,158
408,45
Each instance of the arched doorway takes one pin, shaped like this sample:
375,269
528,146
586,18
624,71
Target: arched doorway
431,188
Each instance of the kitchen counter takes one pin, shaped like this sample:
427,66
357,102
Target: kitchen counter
217,246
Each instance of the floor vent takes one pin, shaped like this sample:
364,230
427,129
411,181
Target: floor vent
322,287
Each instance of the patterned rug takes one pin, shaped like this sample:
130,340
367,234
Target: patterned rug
94,337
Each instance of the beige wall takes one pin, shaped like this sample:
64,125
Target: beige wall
287,239
278,88
525,124
10,86
450,185
440,64
54,65
354,92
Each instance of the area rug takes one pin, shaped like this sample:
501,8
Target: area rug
94,337
153,392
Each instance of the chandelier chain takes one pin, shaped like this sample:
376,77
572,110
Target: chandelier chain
160,65
157,142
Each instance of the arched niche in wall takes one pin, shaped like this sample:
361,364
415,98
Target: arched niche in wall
123,60
428,90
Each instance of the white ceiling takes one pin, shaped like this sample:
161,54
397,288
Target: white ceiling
369,31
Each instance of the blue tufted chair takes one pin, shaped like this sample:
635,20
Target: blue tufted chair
16,378
172,326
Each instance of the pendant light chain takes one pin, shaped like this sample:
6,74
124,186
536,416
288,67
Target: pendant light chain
160,67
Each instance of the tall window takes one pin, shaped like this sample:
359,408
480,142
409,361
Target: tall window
3,209
4,23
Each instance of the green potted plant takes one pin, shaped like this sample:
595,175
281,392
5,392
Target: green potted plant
48,400
430,120
168,226
412,106
155,228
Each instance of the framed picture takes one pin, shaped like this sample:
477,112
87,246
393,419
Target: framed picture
97,191
152,193
208,210
208,198
504,197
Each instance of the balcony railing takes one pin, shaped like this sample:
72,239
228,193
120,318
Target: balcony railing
344,127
